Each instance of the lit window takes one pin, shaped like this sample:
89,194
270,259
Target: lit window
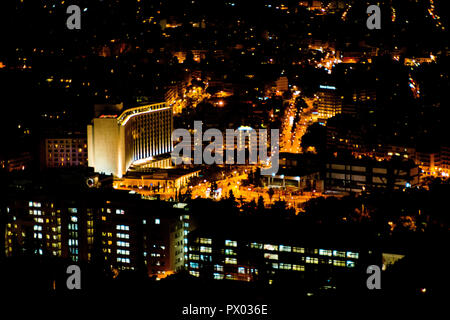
205,241
271,256
285,266
339,263
124,252
298,267
123,244
194,273
218,267
230,252
339,253
218,276
193,256
205,249
285,248
230,243
241,270
312,260
298,250
270,247
120,211
324,252
255,245
353,255
230,260
157,221
194,265
350,264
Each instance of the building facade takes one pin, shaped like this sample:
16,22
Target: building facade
243,255
115,142
65,152
113,229
357,174
329,103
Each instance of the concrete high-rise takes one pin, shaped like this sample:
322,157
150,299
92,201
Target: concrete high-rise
115,141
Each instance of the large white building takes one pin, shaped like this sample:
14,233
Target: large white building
115,141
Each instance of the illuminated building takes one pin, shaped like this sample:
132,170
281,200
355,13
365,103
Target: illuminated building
434,162
329,102
167,181
65,152
115,142
445,159
429,161
111,227
303,180
238,251
282,84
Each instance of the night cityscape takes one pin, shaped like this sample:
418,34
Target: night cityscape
206,154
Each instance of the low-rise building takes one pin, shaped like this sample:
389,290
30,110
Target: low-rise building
354,174
267,250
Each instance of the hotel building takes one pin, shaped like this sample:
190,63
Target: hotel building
138,134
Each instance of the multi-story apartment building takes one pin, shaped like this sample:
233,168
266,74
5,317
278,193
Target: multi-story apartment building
248,250
65,151
118,229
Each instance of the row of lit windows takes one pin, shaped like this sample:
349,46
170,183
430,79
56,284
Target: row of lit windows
202,257
123,244
205,249
336,253
231,243
36,212
205,241
229,260
324,252
281,248
34,204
